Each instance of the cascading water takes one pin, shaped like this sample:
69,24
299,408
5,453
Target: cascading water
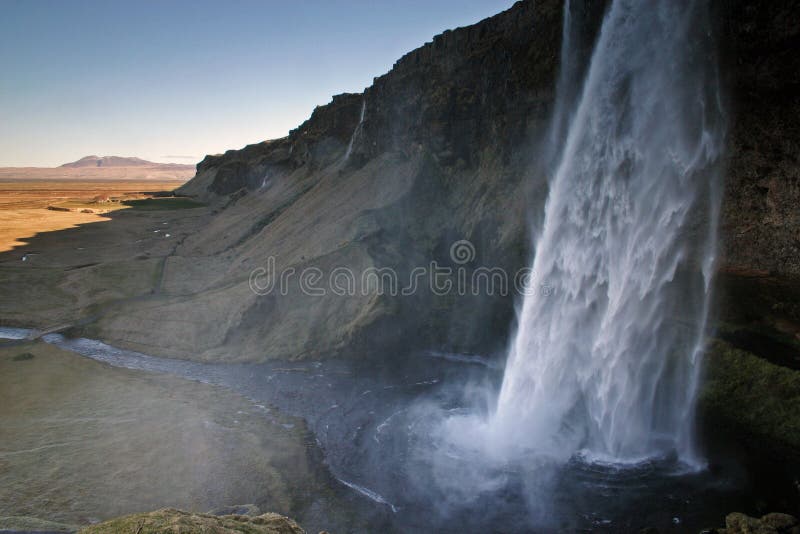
607,361
357,130
576,42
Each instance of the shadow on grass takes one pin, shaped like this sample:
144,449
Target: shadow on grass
77,274
163,203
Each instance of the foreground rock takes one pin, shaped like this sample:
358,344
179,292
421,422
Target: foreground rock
737,523
176,521
752,400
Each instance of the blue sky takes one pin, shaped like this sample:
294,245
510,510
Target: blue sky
158,79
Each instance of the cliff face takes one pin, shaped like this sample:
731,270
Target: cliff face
469,89
436,151
761,212
442,148
760,247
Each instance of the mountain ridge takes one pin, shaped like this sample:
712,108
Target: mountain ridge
99,168
119,161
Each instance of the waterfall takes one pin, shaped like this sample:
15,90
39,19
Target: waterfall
572,66
607,360
357,130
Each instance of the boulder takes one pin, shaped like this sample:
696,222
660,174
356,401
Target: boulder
738,523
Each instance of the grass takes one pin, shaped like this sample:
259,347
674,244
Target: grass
164,203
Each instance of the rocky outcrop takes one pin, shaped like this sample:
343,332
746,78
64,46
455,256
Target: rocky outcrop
737,523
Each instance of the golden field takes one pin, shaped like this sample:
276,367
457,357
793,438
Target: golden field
24,204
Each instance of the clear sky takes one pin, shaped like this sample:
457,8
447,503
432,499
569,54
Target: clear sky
173,80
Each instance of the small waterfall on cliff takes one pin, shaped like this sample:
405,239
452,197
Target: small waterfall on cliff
567,87
357,130
607,360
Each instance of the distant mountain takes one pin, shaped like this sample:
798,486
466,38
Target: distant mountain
119,161
102,168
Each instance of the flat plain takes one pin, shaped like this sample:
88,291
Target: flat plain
29,207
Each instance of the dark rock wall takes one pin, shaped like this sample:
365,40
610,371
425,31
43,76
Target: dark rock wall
487,86
469,89
761,61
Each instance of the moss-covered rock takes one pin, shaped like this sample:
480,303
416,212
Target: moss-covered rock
737,523
237,509
170,520
751,398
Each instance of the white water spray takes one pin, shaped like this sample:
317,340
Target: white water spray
607,362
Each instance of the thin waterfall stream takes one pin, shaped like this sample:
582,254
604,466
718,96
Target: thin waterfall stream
357,130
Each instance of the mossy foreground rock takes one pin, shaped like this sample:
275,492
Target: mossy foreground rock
177,521
752,399
737,523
